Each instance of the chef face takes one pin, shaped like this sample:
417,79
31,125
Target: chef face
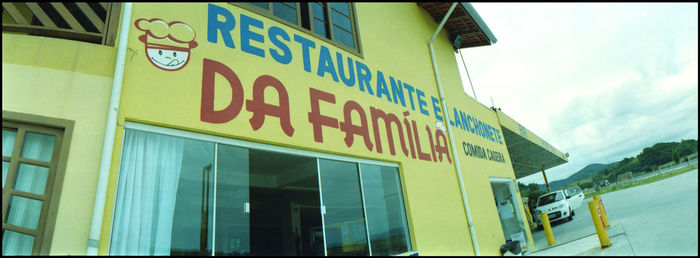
167,59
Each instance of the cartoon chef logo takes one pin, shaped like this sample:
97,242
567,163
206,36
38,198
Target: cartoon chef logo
167,44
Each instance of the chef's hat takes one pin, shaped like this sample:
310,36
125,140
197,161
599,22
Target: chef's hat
159,33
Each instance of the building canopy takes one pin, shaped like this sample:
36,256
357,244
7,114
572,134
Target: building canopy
529,153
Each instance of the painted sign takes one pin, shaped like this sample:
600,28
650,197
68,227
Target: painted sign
352,73
385,108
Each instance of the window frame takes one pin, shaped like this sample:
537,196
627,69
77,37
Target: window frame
268,13
279,149
60,128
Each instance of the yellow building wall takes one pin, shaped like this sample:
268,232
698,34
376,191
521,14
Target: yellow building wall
71,80
68,80
477,170
393,38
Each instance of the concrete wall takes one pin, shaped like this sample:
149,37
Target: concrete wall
68,80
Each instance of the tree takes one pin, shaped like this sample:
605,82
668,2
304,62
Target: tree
675,156
586,185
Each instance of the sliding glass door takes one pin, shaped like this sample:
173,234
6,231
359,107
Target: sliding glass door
181,193
384,205
232,201
344,218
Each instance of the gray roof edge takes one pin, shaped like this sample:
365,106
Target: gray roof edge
480,22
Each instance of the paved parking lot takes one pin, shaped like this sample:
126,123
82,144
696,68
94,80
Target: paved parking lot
659,218
567,231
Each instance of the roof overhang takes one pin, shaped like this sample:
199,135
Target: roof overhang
465,26
529,153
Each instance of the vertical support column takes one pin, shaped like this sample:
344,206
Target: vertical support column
604,215
544,217
545,180
204,213
529,216
598,222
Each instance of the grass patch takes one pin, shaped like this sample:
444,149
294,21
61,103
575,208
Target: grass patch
625,185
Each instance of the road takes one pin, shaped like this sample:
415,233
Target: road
659,218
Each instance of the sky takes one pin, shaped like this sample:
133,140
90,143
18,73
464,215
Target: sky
600,81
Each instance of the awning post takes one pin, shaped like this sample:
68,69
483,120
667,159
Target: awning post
545,180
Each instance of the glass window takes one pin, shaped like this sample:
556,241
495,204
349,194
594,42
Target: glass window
24,212
193,217
38,146
5,168
26,199
320,27
559,196
8,142
314,17
181,196
286,11
264,5
344,220
343,36
284,204
31,179
165,198
340,6
232,201
386,216
319,10
341,20
546,199
14,243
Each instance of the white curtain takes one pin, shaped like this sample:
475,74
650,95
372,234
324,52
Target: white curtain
25,212
145,204
8,142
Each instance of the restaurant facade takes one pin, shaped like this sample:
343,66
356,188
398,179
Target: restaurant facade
255,129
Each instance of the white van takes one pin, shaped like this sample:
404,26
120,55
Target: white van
559,204
555,205
575,197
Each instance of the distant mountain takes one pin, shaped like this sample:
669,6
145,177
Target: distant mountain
648,160
586,172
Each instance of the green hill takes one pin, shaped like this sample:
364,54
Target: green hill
583,174
650,159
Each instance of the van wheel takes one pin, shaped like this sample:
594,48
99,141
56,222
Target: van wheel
571,215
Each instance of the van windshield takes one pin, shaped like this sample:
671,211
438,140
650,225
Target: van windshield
549,198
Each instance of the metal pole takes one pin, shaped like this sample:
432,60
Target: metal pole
468,77
110,130
445,114
545,180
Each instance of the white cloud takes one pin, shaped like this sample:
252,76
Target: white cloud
599,81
